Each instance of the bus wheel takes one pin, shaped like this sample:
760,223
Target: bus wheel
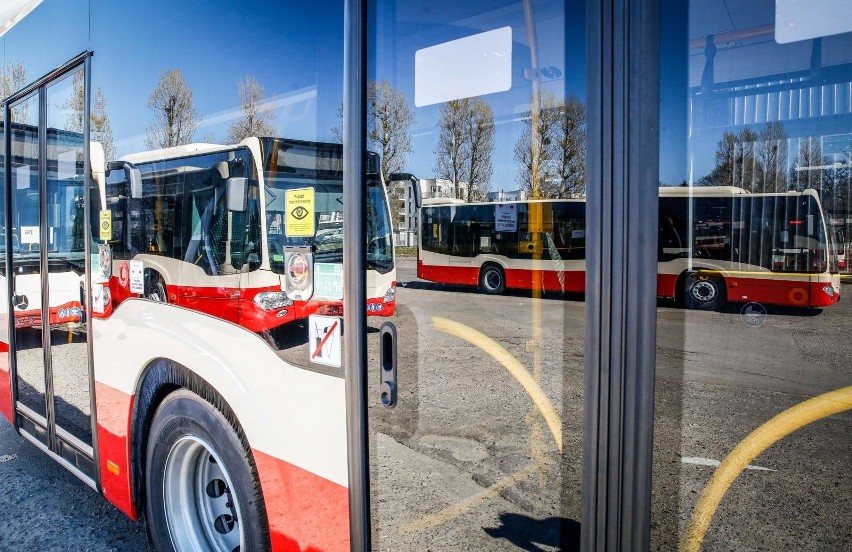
156,290
492,280
704,292
201,493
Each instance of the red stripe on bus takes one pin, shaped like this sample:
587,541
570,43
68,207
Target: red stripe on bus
770,290
114,415
305,511
6,407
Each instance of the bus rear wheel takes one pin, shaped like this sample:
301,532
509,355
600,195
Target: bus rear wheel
201,493
492,280
704,291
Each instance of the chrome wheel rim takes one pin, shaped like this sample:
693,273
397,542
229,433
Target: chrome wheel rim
201,511
704,291
492,279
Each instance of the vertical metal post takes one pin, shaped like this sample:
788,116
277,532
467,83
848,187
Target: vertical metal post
354,285
87,233
621,272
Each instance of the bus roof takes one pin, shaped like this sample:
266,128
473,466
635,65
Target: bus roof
173,152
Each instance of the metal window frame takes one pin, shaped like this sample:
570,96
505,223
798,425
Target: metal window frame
354,265
621,272
38,89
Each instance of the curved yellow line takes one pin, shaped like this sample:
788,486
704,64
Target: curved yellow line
758,440
511,364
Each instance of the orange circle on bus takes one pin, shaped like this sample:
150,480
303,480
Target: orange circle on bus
798,296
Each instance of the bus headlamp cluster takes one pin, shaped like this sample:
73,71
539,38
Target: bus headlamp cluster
272,300
829,290
390,295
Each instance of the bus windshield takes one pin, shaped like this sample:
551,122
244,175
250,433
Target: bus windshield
290,165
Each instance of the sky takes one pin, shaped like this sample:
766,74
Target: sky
295,51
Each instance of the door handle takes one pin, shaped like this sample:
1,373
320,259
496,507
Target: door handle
387,365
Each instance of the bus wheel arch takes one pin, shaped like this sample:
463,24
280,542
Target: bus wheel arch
155,286
703,289
164,382
492,279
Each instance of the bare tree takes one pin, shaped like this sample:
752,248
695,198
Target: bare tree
479,125
389,119
452,153
570,146
465,147
736,162
257,117
175,118
551,152
13,78
771,156
99,126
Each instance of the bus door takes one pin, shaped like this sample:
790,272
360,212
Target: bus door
49,340
474,400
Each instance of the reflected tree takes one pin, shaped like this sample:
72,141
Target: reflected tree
99,125
389,119
735,161
13,78
175,118
465,147
256,115
551,152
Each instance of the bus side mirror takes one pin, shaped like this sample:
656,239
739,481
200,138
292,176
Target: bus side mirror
413,182
236,188
131,174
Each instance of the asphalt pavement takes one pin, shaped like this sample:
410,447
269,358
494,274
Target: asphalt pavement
484,449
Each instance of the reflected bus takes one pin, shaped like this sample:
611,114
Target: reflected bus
740,247
65,248
208,228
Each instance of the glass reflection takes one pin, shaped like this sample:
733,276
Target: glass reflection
484,104
26,242
753,225
66,255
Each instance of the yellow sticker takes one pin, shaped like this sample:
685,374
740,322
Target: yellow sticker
299,205
106,225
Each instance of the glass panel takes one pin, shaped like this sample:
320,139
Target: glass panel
66,255
753,399
26,241
481,106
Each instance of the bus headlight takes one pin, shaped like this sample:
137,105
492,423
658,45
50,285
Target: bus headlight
390,295
829,290
272,300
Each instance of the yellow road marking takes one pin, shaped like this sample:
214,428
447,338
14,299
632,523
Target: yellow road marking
504,357
785,423
470,503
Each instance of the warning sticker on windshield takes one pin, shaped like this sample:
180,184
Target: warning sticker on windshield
299,207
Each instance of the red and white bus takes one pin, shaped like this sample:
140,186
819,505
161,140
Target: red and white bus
768,248
208,224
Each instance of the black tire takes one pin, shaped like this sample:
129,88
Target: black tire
191,443
155,289
492,280
703,291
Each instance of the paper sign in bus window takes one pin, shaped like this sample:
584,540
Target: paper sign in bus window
29,235
506,217
299,208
